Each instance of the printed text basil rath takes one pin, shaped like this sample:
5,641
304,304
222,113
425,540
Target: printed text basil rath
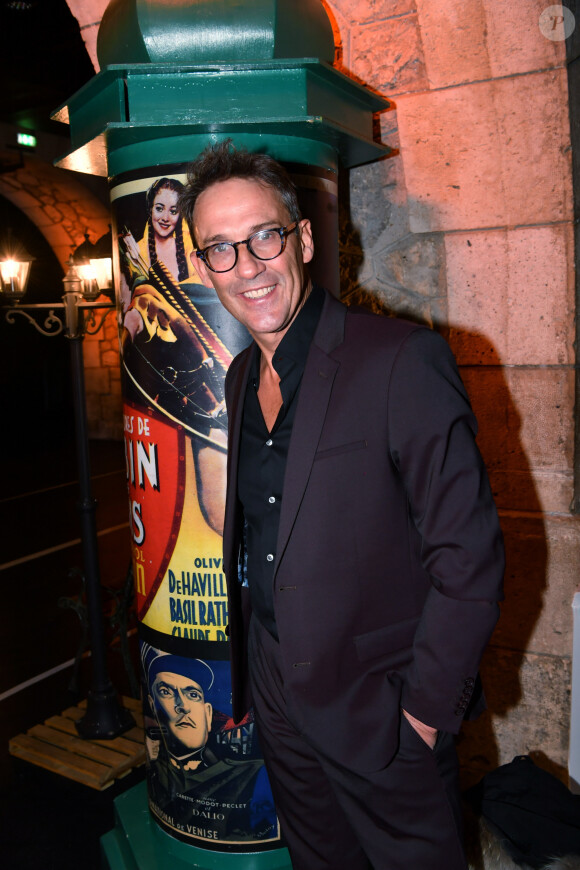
194,600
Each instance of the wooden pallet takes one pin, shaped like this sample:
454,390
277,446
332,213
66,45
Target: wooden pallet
55,745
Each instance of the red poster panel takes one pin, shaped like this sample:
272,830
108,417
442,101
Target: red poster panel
177,561
156,480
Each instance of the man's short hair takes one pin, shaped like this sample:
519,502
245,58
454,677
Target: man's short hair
223,161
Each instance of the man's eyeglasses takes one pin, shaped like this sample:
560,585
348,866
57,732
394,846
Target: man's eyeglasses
264,245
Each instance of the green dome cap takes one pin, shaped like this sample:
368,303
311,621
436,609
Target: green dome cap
195,32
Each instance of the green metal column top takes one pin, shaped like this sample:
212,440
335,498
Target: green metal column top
178,74
200,31
144,106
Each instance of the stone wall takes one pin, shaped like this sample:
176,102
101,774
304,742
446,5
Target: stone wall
469,228
88,14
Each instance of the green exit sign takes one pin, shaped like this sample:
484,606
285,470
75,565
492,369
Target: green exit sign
26,140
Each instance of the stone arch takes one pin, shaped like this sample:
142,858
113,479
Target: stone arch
64,209
57,203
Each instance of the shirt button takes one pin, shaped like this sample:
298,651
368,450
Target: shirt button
269,442
271,499
269,557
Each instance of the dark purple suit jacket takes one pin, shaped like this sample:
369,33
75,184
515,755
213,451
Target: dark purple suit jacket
389,561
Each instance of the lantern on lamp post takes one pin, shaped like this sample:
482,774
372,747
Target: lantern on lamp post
94,265
85,270
102,263
14,271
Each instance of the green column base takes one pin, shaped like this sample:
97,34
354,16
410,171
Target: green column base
137,843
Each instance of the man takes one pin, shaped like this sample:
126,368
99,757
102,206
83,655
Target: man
361,544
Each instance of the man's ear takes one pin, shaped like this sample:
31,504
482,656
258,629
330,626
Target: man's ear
306,240
208,715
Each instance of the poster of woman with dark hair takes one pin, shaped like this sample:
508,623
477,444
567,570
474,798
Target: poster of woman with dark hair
166,237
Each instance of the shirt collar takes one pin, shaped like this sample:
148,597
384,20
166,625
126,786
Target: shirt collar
294,347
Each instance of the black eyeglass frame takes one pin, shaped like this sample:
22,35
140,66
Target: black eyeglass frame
284,232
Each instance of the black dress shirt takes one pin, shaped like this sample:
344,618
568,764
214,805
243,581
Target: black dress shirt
262,463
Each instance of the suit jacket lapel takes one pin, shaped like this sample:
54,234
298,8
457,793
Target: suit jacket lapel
315,391
237,391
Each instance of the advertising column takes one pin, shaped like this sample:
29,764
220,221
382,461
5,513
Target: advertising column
206,779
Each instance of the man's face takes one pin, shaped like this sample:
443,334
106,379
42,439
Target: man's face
264,295
188,715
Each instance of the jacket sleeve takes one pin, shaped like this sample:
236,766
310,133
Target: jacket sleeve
432,442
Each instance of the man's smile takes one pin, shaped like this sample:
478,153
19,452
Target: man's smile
258,294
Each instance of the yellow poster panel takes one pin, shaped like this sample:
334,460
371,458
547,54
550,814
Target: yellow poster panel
191,600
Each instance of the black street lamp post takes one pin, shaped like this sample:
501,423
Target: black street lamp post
105,718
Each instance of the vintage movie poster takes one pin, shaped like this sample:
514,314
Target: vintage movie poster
207,783
177,342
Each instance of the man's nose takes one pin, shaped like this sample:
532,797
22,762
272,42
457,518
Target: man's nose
181,703
248,266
